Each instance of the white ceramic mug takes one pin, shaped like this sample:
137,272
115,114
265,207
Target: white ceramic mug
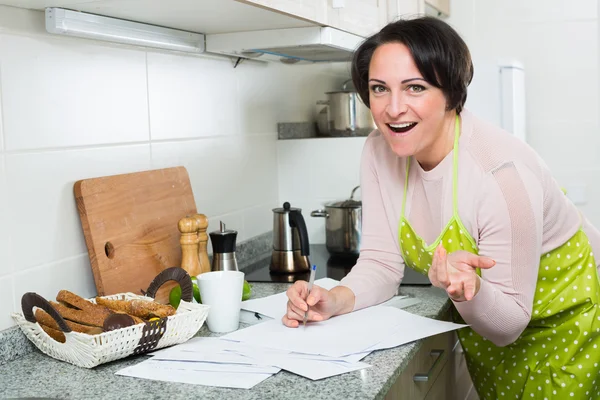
222,291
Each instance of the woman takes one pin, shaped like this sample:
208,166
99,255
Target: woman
478,211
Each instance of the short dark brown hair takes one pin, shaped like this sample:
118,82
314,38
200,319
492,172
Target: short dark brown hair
439,52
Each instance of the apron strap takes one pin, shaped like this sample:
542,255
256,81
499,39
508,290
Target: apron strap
455,169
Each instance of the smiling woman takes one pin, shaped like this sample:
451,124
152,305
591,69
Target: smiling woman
477,210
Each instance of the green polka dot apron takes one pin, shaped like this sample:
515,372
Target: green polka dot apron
557,355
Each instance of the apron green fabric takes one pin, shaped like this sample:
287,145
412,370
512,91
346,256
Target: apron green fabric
558,355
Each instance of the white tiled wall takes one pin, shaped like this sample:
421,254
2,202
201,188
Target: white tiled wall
557,42
73,109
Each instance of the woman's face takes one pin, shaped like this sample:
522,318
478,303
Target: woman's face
408,111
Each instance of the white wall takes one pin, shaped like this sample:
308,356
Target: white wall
73,109
557,41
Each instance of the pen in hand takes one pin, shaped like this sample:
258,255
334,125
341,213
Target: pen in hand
311,280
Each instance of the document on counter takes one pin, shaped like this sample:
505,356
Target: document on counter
214,354
156,370
417,327
341,335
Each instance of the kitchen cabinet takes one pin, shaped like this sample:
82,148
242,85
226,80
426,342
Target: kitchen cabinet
436,372
401,8
406,8
361,17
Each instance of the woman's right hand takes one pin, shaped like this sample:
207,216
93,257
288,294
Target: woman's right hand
322,304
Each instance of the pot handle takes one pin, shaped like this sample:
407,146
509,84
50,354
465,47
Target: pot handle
319,213
353,190
345,85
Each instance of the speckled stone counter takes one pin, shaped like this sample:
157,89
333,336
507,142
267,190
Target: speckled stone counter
37,375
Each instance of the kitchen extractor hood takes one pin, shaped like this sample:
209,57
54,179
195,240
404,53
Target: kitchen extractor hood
306,45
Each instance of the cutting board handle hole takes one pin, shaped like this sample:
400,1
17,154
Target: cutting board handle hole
109,250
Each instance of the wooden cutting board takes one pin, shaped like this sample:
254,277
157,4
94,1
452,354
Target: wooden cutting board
130,226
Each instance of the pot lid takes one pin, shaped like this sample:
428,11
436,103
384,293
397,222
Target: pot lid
286,209
350,203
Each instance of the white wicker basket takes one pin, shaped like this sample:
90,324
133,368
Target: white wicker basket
89,351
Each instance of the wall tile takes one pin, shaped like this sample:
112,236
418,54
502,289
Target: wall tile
561,72
336,166
258,220
73,274
324,167
589,178
63,92
1,119
191,97
7,303
41,200
294,170
6,260
227,174
566,145
272,93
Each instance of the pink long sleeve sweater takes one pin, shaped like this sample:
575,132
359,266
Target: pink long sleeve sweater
507,200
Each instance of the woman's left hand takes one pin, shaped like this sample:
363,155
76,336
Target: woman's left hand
456,272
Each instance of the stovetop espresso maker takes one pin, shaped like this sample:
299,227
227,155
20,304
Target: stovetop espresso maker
290,241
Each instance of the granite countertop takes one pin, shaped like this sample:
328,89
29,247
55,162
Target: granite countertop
37,375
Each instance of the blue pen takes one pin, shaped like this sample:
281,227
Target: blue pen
311,280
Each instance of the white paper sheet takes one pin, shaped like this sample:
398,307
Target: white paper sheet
418,328
212,366
315,369
341,335
149,370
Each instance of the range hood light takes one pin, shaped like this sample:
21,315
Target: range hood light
90,26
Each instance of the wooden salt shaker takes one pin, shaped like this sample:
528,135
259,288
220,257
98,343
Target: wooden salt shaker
202,223
188,226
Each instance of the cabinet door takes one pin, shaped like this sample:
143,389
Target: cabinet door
404,8
428,363
442,6
311,10
440,390
361,17
461,382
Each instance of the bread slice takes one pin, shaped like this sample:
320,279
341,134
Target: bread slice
44,318
91,318
139,308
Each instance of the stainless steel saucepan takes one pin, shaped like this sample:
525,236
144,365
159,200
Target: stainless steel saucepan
343,226
344,114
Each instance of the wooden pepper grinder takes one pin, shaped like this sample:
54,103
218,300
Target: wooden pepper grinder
188,226
202,223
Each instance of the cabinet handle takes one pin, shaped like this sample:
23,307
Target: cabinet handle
425,377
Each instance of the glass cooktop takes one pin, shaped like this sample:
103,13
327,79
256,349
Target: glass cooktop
333,267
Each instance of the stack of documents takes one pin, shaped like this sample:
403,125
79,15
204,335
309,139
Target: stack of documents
248,356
